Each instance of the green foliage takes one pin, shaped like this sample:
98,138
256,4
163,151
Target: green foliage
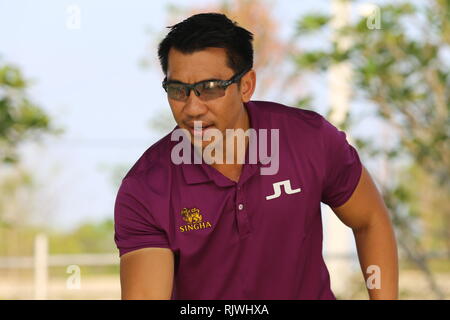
311,22
20,119
312,60
402,69
405,76
304,102
87,238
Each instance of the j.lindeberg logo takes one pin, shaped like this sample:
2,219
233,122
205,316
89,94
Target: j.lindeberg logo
194,220
287,188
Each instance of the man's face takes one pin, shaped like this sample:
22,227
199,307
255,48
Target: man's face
222,113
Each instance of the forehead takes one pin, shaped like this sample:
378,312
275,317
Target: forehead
193,67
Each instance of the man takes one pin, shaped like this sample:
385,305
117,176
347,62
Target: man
227,229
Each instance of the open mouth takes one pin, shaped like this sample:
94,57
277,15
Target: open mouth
200,130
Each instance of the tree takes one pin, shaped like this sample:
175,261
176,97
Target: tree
403,72
20,120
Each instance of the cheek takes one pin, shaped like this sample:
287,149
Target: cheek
176,111
224,116
220,114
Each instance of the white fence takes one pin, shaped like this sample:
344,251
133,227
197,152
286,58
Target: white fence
41,261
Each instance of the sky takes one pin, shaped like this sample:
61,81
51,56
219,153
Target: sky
88,78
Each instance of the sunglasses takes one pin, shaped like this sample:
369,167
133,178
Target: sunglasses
206,89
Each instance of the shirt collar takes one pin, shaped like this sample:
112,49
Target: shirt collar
200,173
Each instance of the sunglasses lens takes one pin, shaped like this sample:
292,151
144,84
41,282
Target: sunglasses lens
210,90
207,90
176,91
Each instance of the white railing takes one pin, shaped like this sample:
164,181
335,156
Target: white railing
41,261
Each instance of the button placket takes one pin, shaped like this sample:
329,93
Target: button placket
241,213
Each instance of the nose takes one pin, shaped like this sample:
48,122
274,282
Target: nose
194,107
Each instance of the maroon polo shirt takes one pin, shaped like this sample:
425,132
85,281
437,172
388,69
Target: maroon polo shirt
232,240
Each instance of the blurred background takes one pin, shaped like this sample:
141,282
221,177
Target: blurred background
81,100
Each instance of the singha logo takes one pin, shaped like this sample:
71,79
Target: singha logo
194,219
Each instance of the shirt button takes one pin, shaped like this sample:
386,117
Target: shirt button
241,206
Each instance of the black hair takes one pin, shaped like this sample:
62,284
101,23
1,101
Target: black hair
205,30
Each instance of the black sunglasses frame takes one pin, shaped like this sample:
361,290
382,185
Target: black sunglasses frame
222,83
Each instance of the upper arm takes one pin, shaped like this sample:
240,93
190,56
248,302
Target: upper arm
146,260
347,187
365,206
147,274
135,226
342,166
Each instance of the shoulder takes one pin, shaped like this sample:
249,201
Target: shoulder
154,163
276,115
300,129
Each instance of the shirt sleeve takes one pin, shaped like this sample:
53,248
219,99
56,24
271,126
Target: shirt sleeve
343,166
134,226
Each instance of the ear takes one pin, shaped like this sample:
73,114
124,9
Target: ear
248,84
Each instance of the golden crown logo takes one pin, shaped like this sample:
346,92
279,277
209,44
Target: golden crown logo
191,216
194,219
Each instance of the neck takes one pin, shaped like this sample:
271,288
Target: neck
239,148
